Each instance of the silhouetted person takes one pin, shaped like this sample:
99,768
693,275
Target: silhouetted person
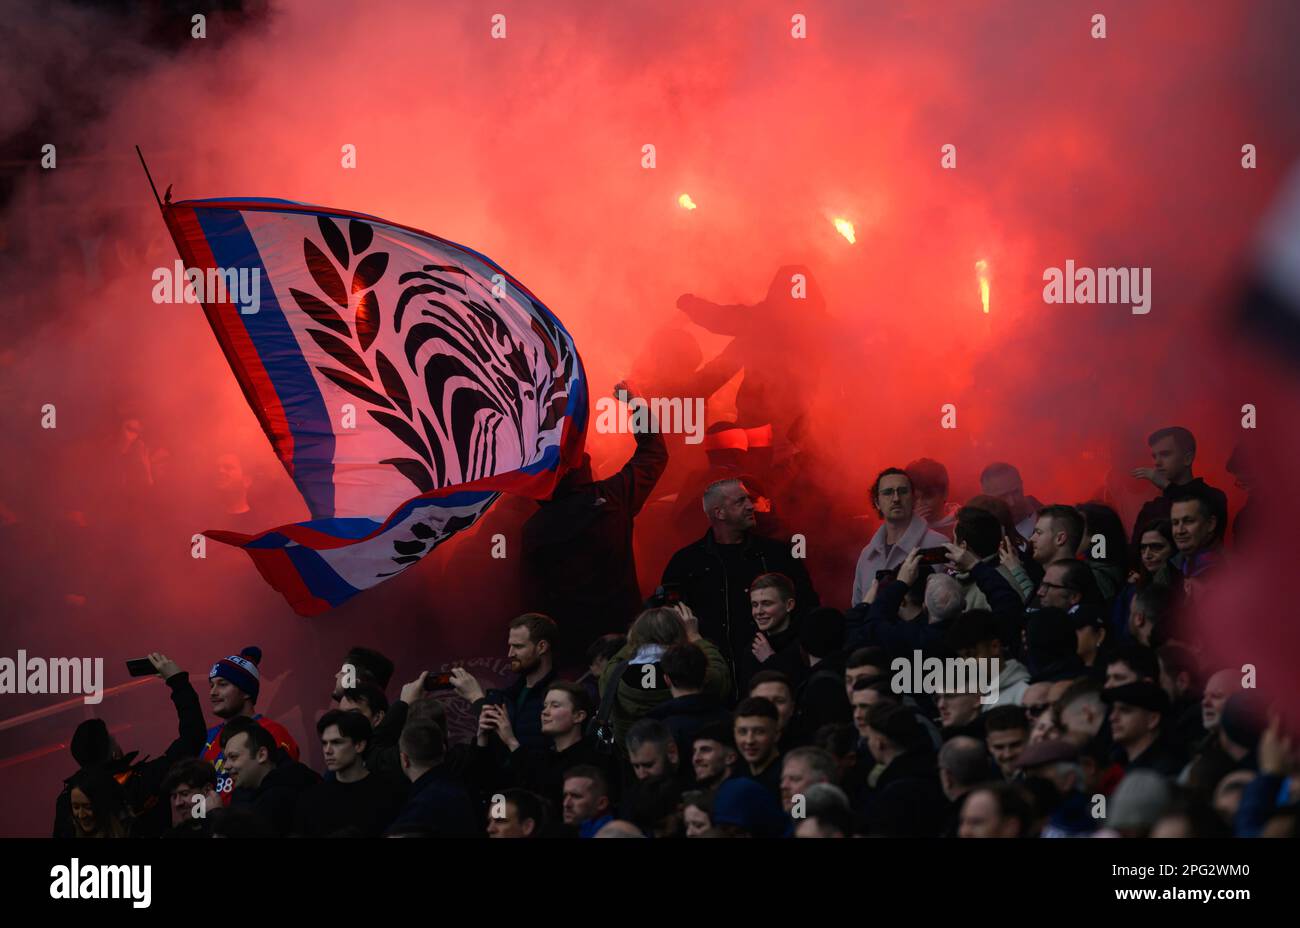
770,345
579,563
1003,481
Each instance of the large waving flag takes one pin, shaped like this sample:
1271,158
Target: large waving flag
404,381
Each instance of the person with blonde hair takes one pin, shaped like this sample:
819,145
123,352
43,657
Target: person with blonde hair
635,670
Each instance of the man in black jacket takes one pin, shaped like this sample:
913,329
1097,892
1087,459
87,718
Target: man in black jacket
92,746
907,799
438,799
578,558
691,709
268,782
712,575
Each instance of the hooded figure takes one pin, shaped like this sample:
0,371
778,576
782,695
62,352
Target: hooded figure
771,345
578,560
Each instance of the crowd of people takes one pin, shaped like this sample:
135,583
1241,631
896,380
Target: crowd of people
732,703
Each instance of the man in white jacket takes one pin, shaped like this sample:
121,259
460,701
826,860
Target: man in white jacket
894,499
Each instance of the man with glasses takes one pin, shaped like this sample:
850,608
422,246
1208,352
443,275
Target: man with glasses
1065,584
894,500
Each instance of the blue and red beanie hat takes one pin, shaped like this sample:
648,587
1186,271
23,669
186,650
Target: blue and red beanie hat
241,670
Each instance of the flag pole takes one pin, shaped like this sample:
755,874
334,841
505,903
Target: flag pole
150,176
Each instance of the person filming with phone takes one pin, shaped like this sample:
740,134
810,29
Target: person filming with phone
96,750
530,645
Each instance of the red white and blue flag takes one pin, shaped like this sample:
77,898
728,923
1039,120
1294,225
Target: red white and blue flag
404,381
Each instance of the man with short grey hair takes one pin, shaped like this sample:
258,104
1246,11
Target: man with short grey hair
943,598
712,575
827,813
801,769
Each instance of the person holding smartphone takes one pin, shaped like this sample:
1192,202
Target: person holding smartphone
96,750
901,531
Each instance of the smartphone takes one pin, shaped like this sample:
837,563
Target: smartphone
494,698
437,681
934,555
141,667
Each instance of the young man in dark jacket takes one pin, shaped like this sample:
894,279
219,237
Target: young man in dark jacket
438,801
907,799
267,781
691,709
712,575
356,800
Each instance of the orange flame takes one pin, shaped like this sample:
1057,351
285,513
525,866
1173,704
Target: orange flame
981,270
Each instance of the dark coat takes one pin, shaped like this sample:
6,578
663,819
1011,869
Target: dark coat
362,809
878,624
577,548
275,799
1162,757
907,800
542,770
820,698
439,801
1162,506
720,596
685,716
788,659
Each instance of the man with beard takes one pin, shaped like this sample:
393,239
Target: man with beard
530,645
578,554
714,755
